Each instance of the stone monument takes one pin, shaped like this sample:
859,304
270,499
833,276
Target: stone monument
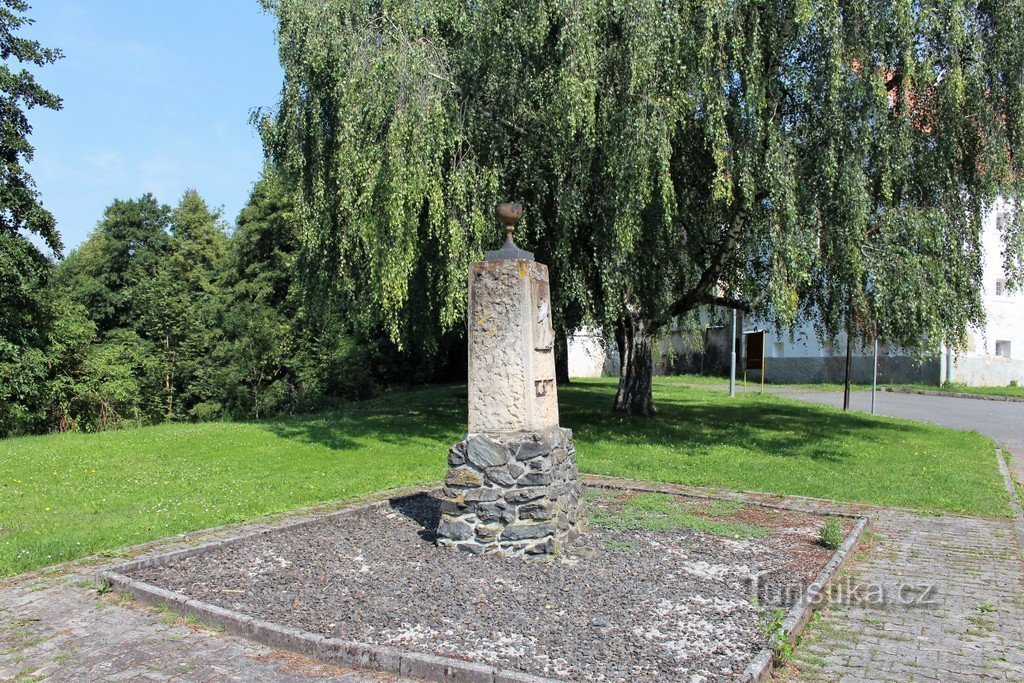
512,485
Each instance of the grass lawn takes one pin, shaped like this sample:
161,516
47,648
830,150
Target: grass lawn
67,495
754,384
1016,392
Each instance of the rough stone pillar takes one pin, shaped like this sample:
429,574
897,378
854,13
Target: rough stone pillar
512,486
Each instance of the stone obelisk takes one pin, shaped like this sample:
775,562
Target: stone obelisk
512,485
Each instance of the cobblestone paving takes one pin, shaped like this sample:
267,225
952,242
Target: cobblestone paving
57,627
974,631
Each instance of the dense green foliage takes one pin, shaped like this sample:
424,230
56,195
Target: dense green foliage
162,316
63,496
792,158
26,312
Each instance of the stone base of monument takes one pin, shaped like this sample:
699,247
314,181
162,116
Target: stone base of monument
513,494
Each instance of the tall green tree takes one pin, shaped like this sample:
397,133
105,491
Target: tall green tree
178,306
25,309
791,158
149,277
126,250
258,340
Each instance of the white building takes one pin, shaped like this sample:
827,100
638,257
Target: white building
994,355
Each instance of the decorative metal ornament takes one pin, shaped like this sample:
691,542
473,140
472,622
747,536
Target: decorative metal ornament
508,214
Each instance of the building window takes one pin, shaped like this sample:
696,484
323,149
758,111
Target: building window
780,349
1003,349
1001,289
1003,220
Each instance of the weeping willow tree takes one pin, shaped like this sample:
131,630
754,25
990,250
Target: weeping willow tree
796,159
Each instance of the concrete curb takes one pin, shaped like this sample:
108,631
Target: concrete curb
816,595
955,394
416,664
331,650
761,667
1018,522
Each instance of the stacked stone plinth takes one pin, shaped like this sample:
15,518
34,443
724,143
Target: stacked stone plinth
512,494
512,484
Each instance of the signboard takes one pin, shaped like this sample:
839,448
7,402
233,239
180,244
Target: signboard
755,350
754,358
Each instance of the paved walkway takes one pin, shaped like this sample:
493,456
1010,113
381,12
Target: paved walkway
974,631
57,627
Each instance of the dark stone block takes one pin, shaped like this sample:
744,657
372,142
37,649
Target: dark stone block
463,476
457,454
452,508
544,548
485,452
541,511
501,476
481,495
536,479
529,451
523,495
455,529
523,532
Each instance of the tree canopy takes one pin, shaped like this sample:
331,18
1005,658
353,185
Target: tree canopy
794,158
26,313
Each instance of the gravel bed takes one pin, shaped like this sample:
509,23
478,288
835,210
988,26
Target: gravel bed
627,604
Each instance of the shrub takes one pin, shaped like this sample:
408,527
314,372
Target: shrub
831,533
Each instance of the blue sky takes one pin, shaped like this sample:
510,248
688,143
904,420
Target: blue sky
157,96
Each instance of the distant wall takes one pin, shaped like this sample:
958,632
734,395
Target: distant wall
988,372
900,369
590,356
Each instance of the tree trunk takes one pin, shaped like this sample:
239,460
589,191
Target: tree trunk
561,358
635,338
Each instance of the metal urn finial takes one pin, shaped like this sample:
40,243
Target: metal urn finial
508,214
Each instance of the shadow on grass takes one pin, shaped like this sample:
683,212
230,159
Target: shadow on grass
689,420
428,413
698,421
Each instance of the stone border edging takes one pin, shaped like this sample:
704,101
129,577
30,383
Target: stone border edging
1011,488
421,665
955,394
194,538
331,650
760,668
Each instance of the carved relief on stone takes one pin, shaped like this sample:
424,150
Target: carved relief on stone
543,338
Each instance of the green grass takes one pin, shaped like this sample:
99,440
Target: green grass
1015,392
831,534
660,512
63,496
754,384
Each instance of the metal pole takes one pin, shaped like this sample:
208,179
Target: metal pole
732,357
849,362
874,377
